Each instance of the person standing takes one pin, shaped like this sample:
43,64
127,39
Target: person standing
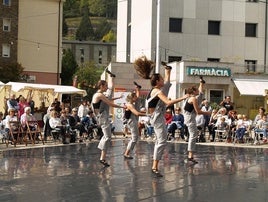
157,101
131,117
206,108
191,109
101,102
227,103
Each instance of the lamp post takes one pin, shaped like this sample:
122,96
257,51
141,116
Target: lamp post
157,37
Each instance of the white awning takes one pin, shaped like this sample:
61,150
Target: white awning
19,87
251,86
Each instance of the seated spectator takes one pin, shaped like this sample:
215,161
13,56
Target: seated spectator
2,126
177,122
55,123
9,118
90,123
149,129
83,110
262,127
200,123
241,127
12,102
25,117
212,125
75,123
168,116
22,105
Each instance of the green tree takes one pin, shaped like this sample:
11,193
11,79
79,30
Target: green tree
102,29
69,67
88,75
85,30
12,72
110,37
71,8
97,7
111,9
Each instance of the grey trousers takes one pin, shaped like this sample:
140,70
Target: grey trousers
160,130
133,126
107,133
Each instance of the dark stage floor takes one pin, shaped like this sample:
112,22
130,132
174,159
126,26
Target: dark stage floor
73,173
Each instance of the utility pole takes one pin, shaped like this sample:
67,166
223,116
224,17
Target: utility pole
157,62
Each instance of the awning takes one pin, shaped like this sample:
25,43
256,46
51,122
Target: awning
254,87
19,87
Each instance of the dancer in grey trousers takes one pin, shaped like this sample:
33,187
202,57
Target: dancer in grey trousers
131,118
101,106
191,109
157,101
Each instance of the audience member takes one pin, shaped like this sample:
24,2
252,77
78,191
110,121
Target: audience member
12,102
83,109
227,104
177,123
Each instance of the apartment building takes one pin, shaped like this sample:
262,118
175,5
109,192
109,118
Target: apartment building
208,30
102,53
198,37
31,35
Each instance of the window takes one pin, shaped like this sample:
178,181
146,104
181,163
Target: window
7,2
250,65
174,59
213,60
251,30
100,57
214,27
6,24
31,79
175,25
6,50
216,96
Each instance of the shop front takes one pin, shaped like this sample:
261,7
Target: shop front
247,94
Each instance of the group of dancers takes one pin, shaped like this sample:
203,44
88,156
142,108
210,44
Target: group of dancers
156,103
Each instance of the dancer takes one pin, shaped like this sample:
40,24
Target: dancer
131,118
101,104
157,101
191,109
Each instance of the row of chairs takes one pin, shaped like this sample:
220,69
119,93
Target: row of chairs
22,135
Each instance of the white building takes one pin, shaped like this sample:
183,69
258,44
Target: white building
209,30
203,34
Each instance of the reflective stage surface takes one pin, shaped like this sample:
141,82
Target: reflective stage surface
73,173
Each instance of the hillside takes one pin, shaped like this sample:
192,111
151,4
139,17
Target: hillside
73,24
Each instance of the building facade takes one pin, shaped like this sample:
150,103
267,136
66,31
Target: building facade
201,36
31,35
223,31
101,53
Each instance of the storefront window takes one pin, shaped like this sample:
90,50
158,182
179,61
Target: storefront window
216,96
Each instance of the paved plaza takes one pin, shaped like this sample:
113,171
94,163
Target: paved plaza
56,172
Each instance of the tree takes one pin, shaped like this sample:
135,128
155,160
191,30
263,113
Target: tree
12,72
87,76
85,30
110,37
69,67
97,7
103,28
71,8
